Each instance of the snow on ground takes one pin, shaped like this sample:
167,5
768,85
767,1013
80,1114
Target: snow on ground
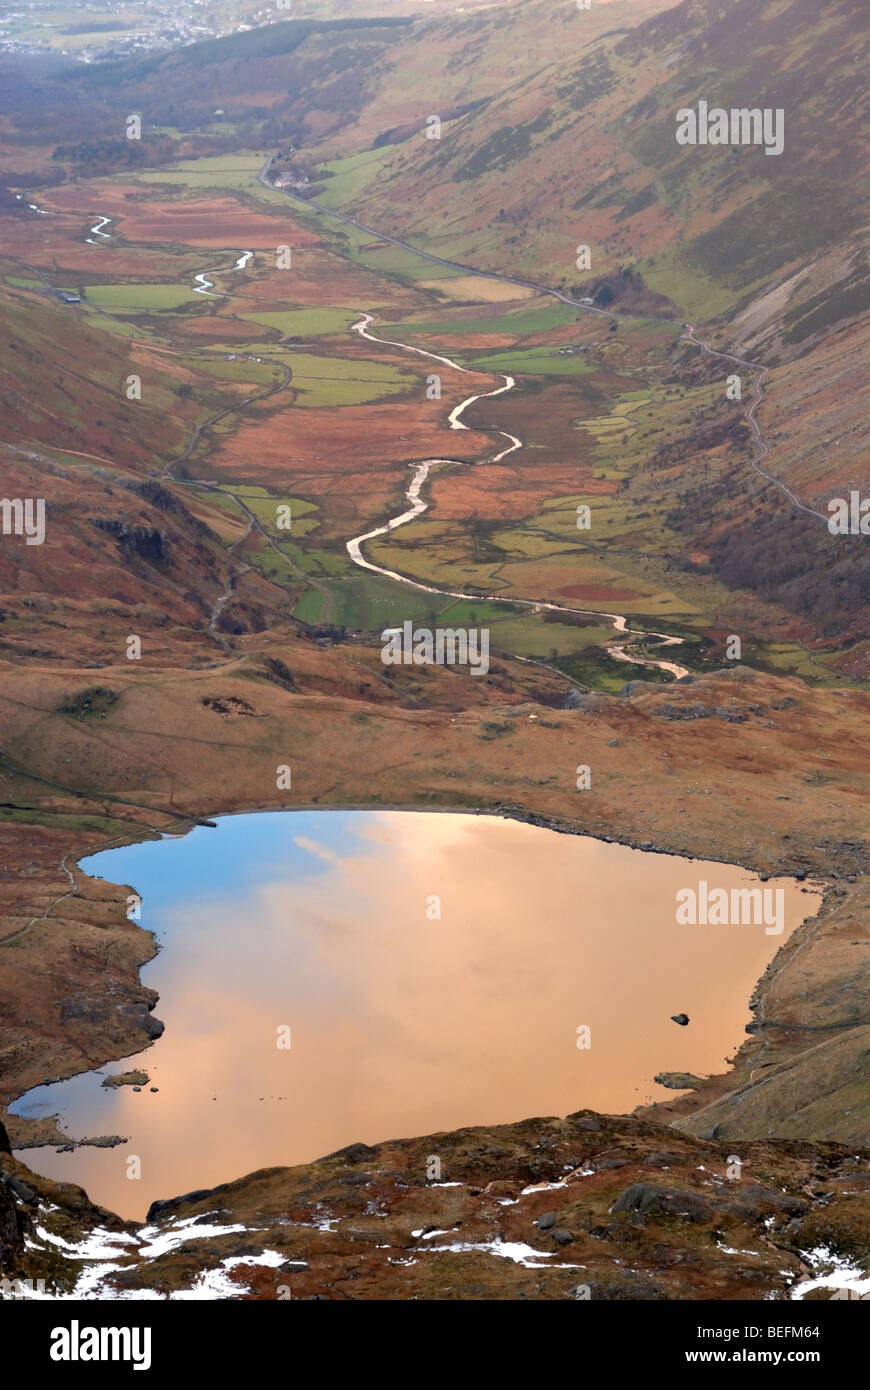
160,1243
840,1274
104,1250
507,1249
99,1243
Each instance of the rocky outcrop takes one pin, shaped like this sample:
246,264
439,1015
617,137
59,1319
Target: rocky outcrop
671,1080
573,1208
13,1226
146,543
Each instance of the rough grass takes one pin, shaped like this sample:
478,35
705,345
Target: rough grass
518,323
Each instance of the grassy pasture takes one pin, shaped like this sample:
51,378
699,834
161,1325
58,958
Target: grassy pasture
304,323
348,177
265,509
337,381
237,171
540,640
536,361
241,371
138,297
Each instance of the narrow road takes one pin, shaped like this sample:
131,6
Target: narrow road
754,427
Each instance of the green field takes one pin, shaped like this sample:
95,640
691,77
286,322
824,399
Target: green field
536,361
265,508
602,672
363,248
325,381
318,381
543,641
237,171
138,297
464,612
304,323
364,601
348,177
695,294
108,324
241,370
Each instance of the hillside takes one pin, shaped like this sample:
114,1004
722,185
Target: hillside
558,126
584,150
122,551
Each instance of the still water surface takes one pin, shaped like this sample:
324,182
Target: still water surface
401,1023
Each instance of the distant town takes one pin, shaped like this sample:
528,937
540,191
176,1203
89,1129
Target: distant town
103,33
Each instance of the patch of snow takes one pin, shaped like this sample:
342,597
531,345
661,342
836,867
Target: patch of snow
212,1283
270,1258
841,1274
520,1253
99,1243
324,1223
169,1240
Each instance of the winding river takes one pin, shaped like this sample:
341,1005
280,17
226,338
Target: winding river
760,372
206,286
97,230
413,495
620,651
